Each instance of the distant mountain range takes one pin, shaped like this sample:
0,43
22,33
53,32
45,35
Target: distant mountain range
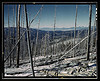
42,31
63,29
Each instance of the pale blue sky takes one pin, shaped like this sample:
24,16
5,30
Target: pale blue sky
65,15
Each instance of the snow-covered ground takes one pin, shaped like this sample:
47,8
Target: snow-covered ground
66,67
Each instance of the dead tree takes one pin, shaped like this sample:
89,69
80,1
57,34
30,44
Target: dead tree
62,43
45,45
24,42
54,31
9,37
48,47
42,45
18,36
30,30
16,31
75,30
35,50
22,30
71,38
13,32
93,31
89,31
28,43
96,23
54,38
16,21
78,36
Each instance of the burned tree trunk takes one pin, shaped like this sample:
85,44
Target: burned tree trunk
28,42
93,31
9,38
13,33
89,31
18,36
22,30
75,30
54,31
45,45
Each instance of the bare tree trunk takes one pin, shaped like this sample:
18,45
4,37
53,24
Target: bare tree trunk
89,30
35,50
9,37
96,24
54,31
36,45
42,45
13,32
45,46
94,30
30,30
78,39
55,40
62,41
23,39
28,43
48,50
71,39
75,30
18,36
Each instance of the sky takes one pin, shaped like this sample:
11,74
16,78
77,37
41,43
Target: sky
65,15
